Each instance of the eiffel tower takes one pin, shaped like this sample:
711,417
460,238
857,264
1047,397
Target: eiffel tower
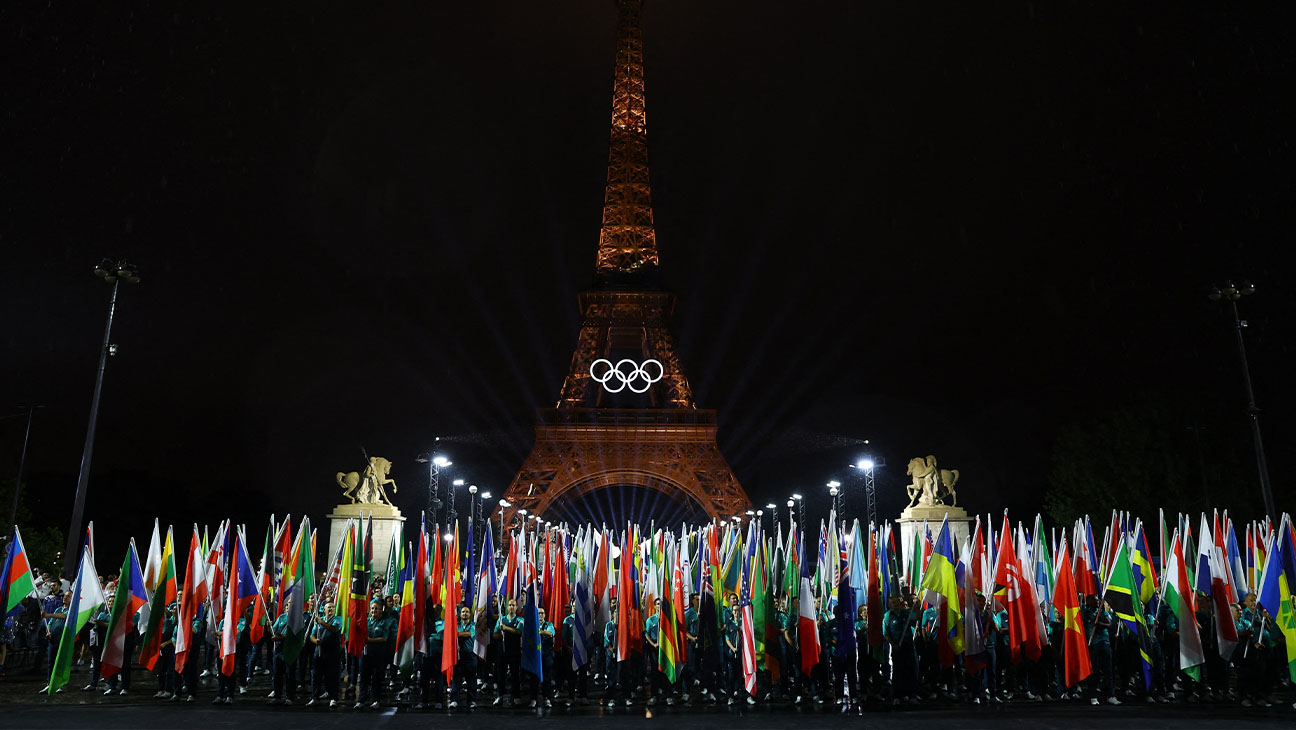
624,428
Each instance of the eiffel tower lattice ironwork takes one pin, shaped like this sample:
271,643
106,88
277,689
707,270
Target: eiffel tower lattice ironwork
599,436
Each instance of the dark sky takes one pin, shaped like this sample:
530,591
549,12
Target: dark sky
949,228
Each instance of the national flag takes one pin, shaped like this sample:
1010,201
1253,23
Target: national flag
283,564
1086,567
807,628
1122,595
532,656
192,597
241,592
357,590
1233,559
585,604
1179,597
1066,599
454,597
1017,595
164,594
668,630
1141,563
875,586
395,562
1044,573
265,579
87,597
749,643
299,574
16,582
486,586
1277,580
152,566
1212,578
130,598
939,579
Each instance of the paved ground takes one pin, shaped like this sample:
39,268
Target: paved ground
21,706
248,715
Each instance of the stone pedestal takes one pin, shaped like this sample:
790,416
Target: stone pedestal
386,525
911,521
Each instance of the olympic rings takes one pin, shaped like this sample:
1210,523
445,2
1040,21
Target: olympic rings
635,373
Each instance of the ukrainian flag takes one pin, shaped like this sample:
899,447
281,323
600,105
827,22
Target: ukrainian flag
941,579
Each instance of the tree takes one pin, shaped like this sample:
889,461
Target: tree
42,542
1154,451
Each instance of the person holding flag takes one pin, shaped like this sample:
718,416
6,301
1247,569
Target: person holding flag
508,631
465,673
79,605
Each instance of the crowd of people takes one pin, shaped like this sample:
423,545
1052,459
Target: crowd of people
817,647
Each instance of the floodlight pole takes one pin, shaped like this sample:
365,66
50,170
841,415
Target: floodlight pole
71,555
1232,294
22,460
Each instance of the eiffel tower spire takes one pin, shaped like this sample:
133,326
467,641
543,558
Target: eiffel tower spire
627,251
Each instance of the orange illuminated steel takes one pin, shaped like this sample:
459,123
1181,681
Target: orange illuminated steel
594,439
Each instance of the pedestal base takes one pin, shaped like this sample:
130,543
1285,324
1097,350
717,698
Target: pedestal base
911,521
387,522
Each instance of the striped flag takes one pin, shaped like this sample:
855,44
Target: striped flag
191,598
86,599
129,599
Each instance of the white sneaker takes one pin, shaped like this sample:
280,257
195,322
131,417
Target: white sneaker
122,693
454,704
375,705
670,701
751,700
270,696
1113,701
332,704
611,703
1093,701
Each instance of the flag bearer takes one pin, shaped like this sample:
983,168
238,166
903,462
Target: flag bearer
284,682
465,673
373,660
509,630
579,678
612,668
326,637
1098,622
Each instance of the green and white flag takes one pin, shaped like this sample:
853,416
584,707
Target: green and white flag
1179,596
87,597
301,586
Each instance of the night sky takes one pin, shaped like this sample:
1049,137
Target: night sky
949,228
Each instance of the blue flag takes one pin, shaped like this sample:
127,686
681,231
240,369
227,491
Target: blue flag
532,658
